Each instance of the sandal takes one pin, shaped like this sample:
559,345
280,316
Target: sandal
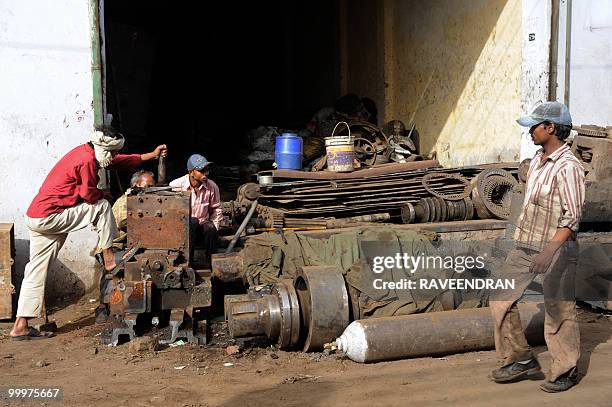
33,334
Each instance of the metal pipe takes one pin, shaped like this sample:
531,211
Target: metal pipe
96,68
293,229
429,334
243,225
568,51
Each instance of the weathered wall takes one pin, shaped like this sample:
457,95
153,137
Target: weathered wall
362,45
45,110
535,77
471,50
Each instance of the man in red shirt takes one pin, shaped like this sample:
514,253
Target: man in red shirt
69,200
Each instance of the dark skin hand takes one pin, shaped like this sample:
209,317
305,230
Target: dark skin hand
543,260
544,134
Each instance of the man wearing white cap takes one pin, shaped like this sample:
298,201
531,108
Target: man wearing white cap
545,244
69,200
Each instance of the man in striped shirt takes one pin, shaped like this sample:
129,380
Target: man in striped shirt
206,211
545,244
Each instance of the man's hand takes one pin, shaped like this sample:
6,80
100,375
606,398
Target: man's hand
542,262
160,150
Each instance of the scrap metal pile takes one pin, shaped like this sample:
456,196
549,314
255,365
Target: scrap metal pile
313,311
413,192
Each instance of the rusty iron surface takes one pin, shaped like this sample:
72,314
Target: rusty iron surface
308,197
228,267
201,294
7,256
157,221
131,297
492,193
595,152
374,171
324,306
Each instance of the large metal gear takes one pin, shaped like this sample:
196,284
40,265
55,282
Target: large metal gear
365,151
451,179
492,193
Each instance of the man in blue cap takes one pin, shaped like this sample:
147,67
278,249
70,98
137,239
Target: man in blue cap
206,211
544,244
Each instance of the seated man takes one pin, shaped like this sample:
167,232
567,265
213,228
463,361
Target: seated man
206,211
140,179
69,200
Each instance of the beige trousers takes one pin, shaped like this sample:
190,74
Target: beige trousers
47,235
560,319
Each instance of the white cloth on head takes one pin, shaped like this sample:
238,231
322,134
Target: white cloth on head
103,145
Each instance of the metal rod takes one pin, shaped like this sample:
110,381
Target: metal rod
243,225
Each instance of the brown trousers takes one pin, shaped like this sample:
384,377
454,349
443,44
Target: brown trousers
560,323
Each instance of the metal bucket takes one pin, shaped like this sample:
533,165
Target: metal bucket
340,151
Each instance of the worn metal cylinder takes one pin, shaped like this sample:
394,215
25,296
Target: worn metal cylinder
254,317
274,314
429,334
323,301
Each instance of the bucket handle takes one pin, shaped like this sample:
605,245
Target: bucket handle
347,126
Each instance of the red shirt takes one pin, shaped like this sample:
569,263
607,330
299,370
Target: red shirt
74,179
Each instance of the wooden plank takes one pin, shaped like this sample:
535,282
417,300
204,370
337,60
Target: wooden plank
7,255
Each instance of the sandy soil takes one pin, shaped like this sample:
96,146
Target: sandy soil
96,375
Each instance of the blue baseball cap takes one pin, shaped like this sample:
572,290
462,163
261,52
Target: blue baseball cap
553,112
197,162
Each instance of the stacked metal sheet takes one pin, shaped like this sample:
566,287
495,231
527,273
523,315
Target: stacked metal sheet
384,189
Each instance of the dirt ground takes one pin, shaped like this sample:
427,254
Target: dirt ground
92,374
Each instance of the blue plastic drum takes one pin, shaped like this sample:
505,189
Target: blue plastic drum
288,151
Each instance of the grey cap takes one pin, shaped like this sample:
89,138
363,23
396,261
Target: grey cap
553,112
197,162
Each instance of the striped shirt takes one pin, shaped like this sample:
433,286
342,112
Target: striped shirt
554,197
205,200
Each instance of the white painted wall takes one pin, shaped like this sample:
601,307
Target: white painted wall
45,110
590,88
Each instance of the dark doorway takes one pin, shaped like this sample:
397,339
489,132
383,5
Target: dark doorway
199,75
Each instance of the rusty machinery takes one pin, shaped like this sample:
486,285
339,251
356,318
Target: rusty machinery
492,193
306,312
159,283
593,145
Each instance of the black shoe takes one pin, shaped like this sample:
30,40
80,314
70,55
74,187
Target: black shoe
102,315
564,382
515,371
